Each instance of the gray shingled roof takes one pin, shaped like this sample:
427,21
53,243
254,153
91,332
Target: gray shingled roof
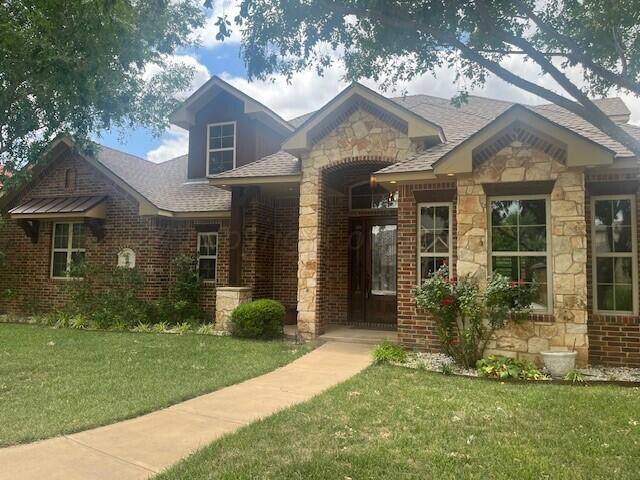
165,184
460,124
275,165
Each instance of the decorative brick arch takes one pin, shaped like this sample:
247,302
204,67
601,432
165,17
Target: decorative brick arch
360,160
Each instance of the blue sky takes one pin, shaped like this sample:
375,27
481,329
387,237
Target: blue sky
307,91
222,59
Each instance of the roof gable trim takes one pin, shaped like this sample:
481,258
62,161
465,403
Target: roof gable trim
580,151
184,116
417,127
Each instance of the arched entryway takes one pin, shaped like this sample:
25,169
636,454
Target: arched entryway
357,246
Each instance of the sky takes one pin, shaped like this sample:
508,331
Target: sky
307,91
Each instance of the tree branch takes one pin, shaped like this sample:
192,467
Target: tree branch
596,116
592,115
576,52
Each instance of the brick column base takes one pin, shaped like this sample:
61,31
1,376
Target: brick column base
227,299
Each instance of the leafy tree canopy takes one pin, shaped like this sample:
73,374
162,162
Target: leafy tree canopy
78,67
397,40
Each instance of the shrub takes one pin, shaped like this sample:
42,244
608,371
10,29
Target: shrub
182,328
186,291
106,297
161,327
258,319
142,328
206,329
504,368
388,352
574,376
466,318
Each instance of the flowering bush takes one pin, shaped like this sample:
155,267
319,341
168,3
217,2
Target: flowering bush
465,317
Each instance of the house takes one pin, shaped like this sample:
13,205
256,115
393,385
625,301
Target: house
340,213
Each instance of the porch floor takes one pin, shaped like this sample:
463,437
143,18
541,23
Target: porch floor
349,334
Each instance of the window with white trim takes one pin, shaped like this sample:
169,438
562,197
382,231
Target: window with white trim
614,252
519,243
221,147
67,248
434,237
207,255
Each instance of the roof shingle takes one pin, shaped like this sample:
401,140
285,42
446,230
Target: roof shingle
165,184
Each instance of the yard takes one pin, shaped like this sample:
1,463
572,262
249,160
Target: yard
61,381
392,422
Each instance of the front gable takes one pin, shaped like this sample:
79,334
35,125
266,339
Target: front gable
64,172
357,97
521,124
360,133
256,130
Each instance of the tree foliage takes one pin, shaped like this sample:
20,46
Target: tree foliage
79,67
397,40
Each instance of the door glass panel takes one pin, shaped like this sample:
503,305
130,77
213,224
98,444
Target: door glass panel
383,259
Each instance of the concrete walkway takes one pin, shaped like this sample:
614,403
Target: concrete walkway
140,447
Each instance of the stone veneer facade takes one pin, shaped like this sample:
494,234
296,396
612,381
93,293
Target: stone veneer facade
360,137
566,326
227,299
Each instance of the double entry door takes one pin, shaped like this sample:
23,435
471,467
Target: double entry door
372,270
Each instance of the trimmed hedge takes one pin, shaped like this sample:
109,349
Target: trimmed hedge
258,319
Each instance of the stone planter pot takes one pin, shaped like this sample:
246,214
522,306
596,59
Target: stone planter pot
559,363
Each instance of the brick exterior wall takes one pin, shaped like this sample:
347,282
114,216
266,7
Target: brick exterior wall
285,252
614,340
156,241
257,246
270,248
416,329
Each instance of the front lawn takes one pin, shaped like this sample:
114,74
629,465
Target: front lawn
62,381
391,422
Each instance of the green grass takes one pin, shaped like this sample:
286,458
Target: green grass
62,381
396,423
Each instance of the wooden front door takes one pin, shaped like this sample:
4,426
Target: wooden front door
372,263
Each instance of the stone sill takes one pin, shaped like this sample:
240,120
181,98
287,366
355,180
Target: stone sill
234,289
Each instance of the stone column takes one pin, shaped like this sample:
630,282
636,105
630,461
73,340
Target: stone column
308,241
569,259
227,299
472,219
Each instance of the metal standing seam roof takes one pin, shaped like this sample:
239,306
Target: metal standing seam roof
75,204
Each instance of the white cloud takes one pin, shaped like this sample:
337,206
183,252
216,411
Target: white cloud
207,34
175,141
173,144
200,72
307,92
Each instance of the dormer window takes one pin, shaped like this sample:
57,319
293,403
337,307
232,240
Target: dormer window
221,147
